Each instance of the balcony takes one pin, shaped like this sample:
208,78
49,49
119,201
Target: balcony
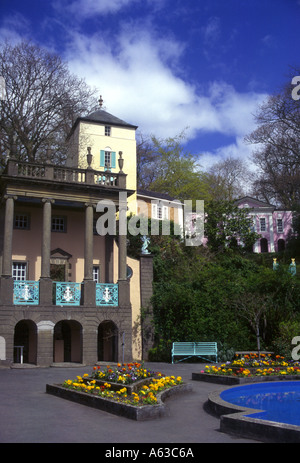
49,172
26,292
65,293
107,294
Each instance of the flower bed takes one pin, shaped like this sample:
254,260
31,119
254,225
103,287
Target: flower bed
132,376
146,389
250,368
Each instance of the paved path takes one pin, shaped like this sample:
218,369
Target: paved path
29,415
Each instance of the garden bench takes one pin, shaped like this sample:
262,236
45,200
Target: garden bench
194,349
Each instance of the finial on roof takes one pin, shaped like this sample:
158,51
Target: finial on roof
101,101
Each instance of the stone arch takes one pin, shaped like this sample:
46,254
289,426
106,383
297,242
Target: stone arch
264,245
281,245
25,342
108,335
67,339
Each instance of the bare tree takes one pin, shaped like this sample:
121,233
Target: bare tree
229,179
147,162
278,155
42,101
253,308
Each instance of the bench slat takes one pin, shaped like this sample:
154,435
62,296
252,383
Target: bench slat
191,349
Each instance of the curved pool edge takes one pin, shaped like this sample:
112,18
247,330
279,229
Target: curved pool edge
233,421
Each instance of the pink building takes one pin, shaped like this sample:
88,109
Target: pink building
274,225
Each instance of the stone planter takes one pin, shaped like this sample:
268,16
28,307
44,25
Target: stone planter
231,380
138,413
253,370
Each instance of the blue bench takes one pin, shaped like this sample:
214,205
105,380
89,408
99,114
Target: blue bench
194,349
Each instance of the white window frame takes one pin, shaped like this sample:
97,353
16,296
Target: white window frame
160,211
107,159
96,273
19,271
107,131
262,224
280,227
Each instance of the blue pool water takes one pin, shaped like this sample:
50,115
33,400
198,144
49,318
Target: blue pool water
280,401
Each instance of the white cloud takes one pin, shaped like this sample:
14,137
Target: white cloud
134,73
83,9
14,28
236,150
211,31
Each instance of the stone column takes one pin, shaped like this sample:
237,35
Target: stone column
89,286
45,330
6,280
88,242
123,237
8,236
124,290
146,282
109,259
45,281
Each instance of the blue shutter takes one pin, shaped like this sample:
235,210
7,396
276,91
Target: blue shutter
102,158
113,160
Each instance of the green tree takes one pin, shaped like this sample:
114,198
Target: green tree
227,225
165,167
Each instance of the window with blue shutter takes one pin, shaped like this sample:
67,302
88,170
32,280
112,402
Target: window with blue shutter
102,158
108,158
113,160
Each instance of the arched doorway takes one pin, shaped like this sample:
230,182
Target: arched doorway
108,341
68,341
264,245
281,245
25,342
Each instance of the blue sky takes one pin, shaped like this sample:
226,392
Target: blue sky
198,66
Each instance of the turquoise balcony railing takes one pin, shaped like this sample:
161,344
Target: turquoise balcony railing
107,294
26,292
67,293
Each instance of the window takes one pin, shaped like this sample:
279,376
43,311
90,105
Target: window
160,212
58,224
280,225
108,159
21,221
96,274
107,131
19,270
262,223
